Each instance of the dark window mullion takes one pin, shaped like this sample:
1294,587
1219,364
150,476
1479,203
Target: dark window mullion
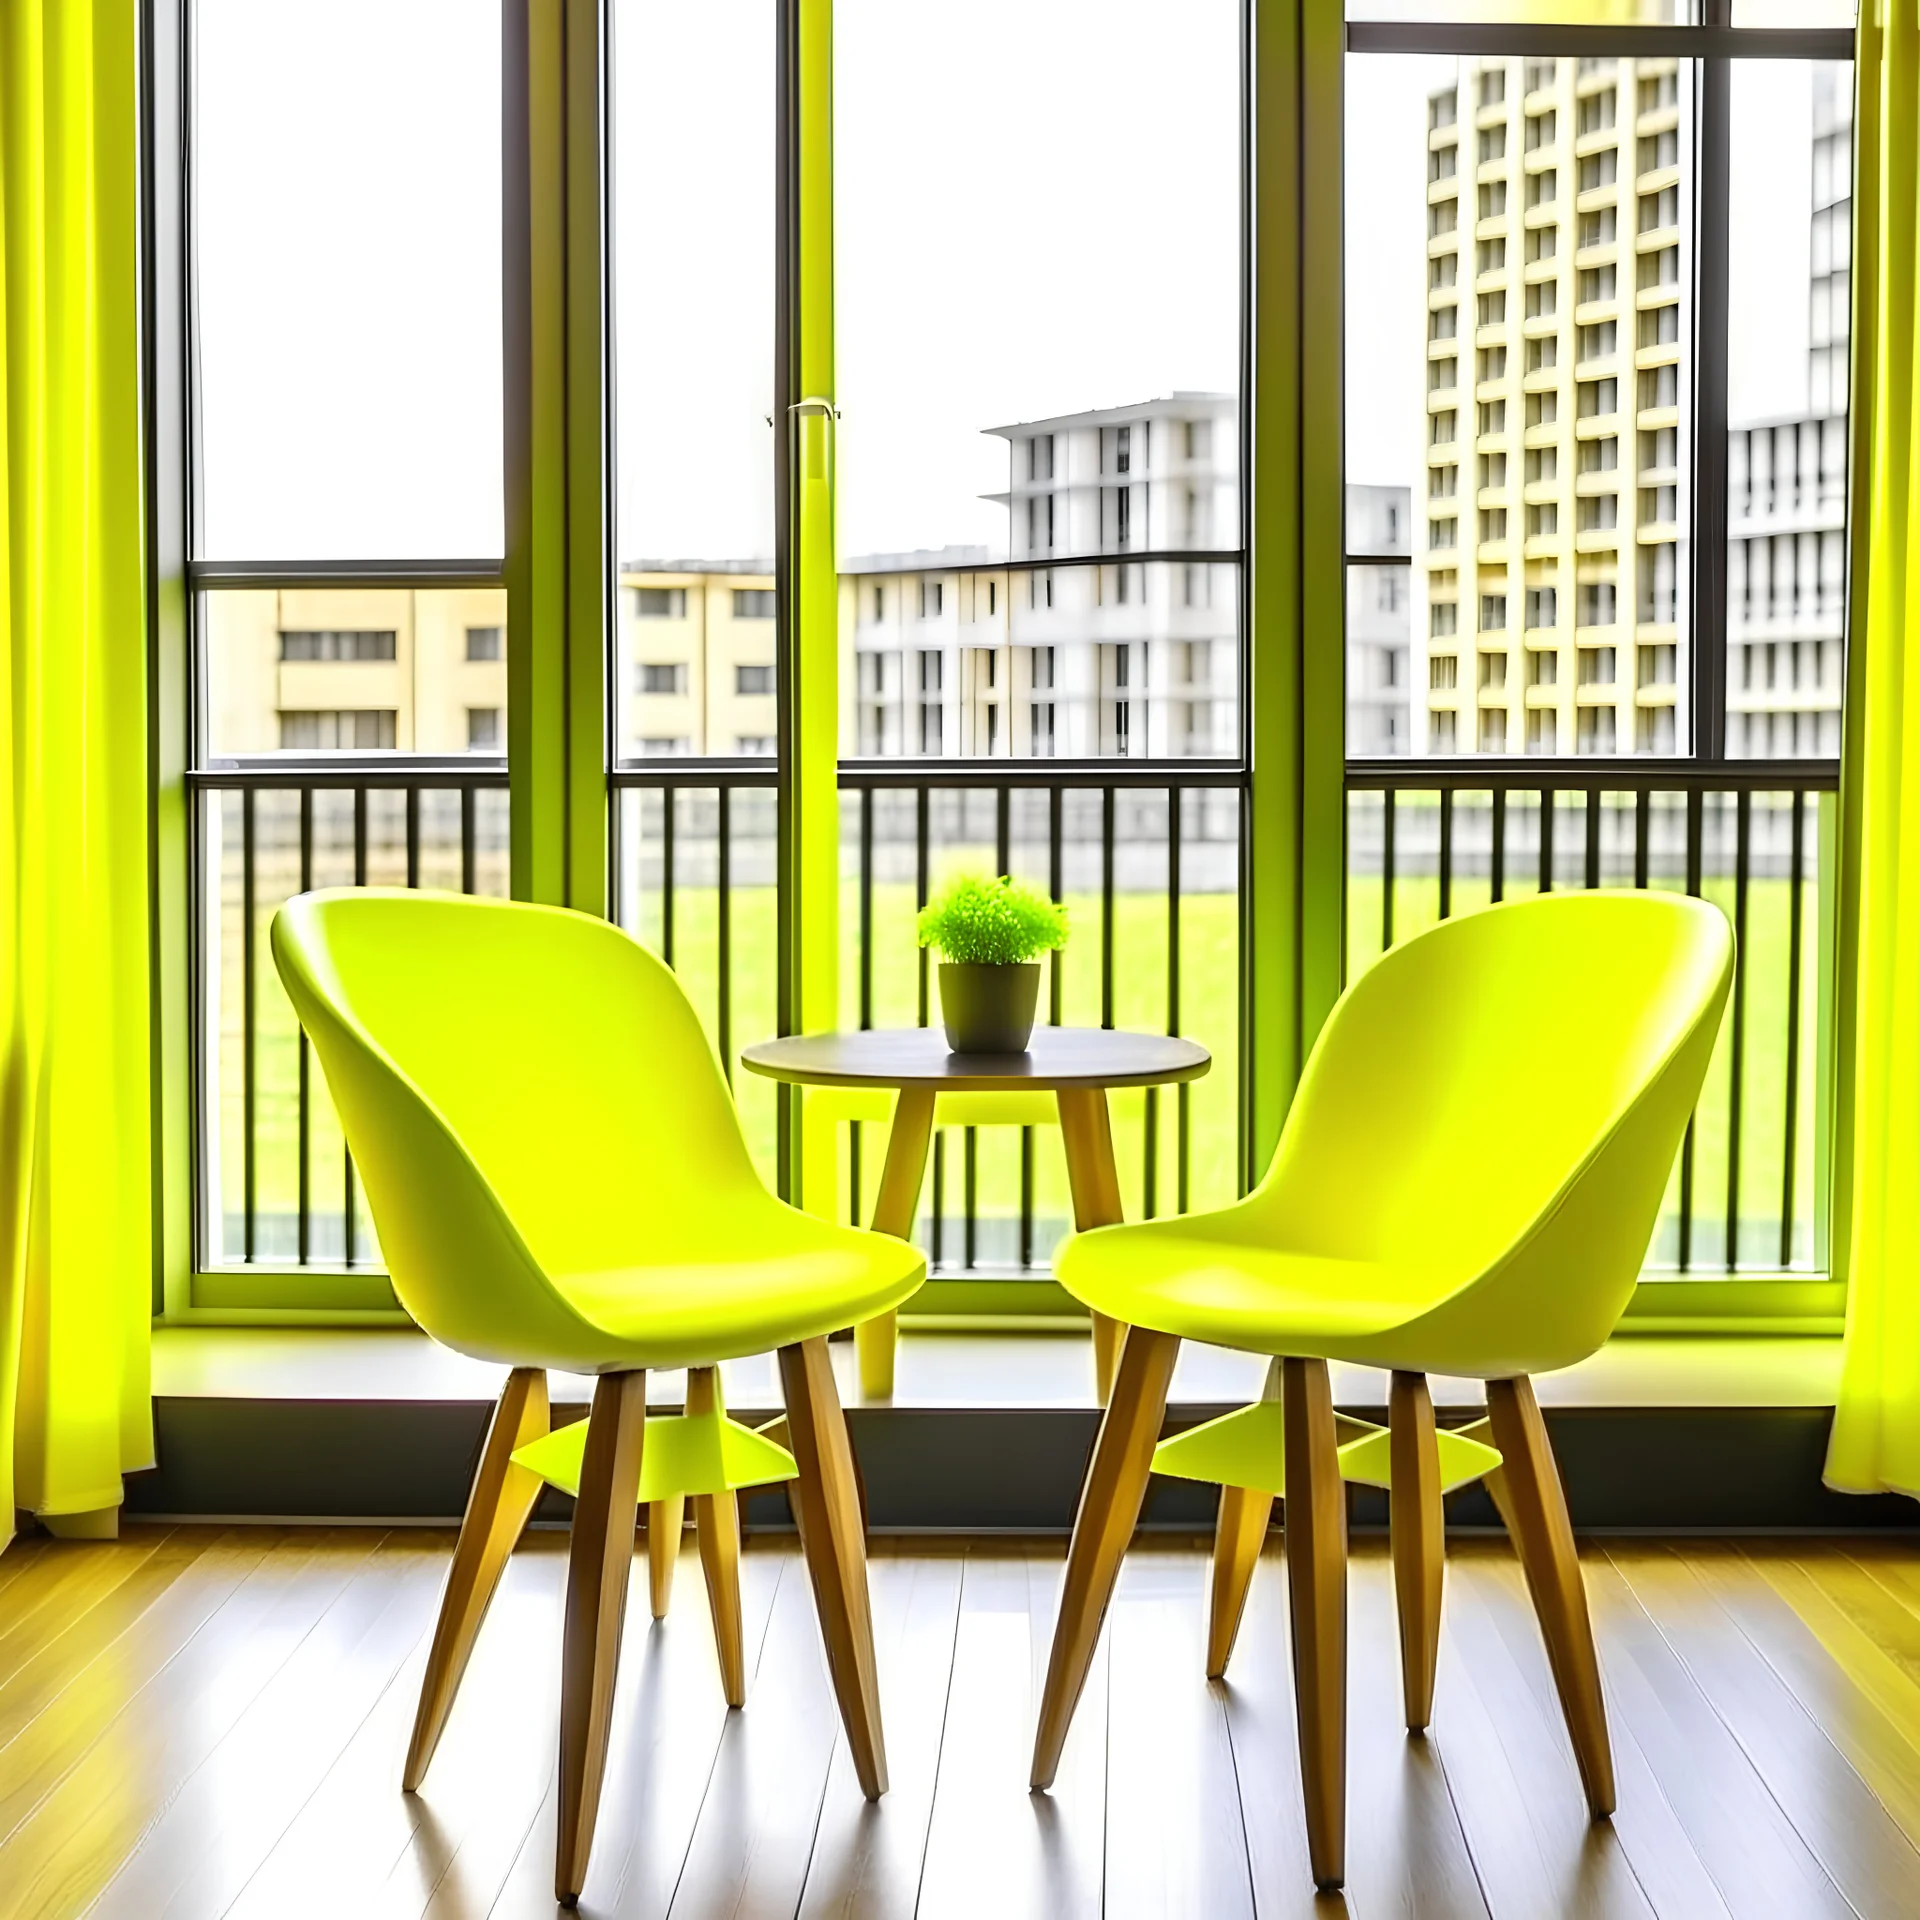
1712,213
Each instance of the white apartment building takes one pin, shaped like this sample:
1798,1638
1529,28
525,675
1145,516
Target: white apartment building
1557,304
1379,621
1110,628
1787,496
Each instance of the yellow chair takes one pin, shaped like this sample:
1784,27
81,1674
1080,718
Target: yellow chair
1466,1184
559,1181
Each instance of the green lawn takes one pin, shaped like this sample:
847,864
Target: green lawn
1208,932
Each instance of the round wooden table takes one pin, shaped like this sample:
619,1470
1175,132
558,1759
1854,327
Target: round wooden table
1075,1064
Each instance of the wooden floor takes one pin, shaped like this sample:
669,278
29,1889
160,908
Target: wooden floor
203,1722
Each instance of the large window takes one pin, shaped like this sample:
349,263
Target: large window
348,621
1596,454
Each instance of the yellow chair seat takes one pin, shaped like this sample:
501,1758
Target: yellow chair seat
1231,1293
820,1279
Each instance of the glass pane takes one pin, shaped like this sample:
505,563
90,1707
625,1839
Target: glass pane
347,259
1039,441
356,669
1789,272
278,1187
693,265
1519,308
1795,13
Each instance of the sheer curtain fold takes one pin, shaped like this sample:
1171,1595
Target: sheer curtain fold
76,1259
1876,1437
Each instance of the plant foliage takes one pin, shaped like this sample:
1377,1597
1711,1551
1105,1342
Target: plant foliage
992,923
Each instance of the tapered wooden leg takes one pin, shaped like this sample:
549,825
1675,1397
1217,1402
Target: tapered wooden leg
1086,1132
1238,1536
1535,1507
1109,1508
665,1518
716,1519
598,1568
836,1548
876,1341
1418,1522
503,1496
1316,1534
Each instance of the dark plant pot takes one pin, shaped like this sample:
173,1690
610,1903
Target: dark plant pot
989,1009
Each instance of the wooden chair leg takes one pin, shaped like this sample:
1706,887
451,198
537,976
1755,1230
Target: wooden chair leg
1238,1536
1534,1504
598,1569
1418,1523
1109,1508
716,1519
835,1544
665,1518
1316,1536
502,1497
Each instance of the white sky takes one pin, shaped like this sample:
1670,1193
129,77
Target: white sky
1015,238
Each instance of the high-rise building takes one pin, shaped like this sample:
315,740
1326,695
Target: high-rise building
1070,647
1549,605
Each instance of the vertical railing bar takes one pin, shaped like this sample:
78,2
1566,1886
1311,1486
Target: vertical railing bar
939,1195
349,1201
1183,1161
1446,853
1106,906
1593,837
1547,798
923,832
1174,883
360,836
1694,829
1642,837
669,808
1497,852
866,908
1150,1149
1386,871
1056,886
1026,1198
1737,1037
1003,830
248,1037
856,1214
969,1171
469,876
1796,880
413,836
723,908
304,1223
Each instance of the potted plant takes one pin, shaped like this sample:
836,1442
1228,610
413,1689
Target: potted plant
990,934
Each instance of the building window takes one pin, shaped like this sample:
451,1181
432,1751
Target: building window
1542,607
754,603
333,643
664,746
1594,606
664,603
483,730
1040,728
337,729
1443,672
753,679
663,677
758,746
486,643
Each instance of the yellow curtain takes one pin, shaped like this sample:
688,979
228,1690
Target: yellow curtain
1876,1436
76,1260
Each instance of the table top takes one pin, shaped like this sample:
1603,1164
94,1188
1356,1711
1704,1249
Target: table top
1058,1057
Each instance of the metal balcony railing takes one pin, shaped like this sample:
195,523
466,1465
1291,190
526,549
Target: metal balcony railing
1431,838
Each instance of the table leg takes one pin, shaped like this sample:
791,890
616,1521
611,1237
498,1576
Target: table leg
893,1211
1087,1133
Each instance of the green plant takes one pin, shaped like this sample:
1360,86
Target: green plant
992,923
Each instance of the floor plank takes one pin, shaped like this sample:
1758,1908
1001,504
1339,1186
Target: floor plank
994,1847
201,1721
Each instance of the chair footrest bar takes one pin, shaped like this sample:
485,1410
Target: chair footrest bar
1247,1448
684,1454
